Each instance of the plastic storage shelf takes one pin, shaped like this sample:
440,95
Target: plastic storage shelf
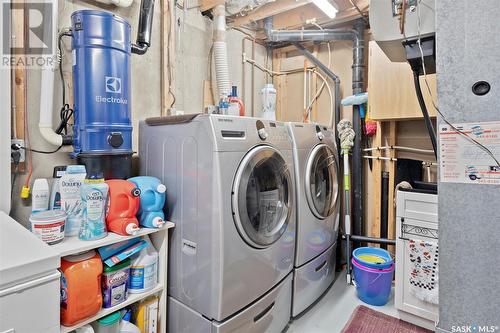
73,245
159,237
132,298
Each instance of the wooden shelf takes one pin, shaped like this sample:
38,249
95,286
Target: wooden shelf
73,245
132,298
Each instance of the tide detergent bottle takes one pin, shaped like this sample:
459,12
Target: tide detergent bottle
152,201
122,207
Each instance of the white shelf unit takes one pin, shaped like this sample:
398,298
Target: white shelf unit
159,238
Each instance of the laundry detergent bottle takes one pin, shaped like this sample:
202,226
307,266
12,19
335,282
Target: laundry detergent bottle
152,200
94,193
123,205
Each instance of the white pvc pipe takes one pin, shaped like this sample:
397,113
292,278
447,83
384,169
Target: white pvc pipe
119,3
416,150
220,51
47,90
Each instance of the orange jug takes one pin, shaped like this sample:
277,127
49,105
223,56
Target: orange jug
81,295
123,205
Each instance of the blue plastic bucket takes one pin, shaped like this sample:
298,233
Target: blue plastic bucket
373,257
373,286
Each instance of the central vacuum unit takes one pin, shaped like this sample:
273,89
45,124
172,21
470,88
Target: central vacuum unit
101,49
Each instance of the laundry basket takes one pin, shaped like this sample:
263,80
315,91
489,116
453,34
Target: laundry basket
373,286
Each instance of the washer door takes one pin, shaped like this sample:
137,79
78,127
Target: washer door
262,197
321,181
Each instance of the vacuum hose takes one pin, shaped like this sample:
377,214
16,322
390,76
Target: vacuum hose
145,27
220,51
427,119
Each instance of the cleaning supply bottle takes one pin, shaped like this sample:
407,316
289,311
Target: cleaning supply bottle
71,199
269,102
85,329
152,201
126,326
146,315
81,295
144,269
40,195
123,206
55,194
94,193
236,107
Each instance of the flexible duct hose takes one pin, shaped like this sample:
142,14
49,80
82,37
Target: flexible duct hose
220,51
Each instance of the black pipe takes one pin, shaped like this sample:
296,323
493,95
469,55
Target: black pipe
384,207
427,119
145,26
357,151
373,240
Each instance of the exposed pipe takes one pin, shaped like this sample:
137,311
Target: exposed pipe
145,26
119,3
357,153
384,208
220,51
357,36
333,77
47,89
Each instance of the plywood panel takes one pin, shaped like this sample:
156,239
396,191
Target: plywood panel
391,90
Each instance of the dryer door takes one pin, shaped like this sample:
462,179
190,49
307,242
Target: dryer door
262,196
321,181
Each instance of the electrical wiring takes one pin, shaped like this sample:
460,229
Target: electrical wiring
318,93
465,135
325,82
267,70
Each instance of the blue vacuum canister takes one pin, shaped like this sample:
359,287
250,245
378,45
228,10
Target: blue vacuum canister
102,132
101,50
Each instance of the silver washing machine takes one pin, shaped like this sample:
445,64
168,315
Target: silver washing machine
317,201
230,191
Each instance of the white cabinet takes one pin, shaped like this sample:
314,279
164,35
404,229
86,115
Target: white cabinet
417,218
29,281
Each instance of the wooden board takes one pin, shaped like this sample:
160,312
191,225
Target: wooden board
391,90
269,9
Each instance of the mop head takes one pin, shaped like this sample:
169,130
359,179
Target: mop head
346,135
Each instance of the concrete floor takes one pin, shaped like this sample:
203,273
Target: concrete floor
333,310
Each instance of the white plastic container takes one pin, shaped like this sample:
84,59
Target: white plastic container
144,270
268,102
85,329
49,225
128,327
40,195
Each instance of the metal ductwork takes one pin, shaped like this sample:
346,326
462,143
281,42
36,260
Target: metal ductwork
358,82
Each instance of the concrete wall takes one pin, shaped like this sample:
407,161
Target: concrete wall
193,37
469,229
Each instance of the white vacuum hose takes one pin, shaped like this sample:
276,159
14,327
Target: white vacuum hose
220,51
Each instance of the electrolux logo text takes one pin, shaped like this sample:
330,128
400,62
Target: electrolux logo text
32,43
112,85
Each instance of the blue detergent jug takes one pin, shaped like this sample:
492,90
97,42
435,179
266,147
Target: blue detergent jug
152,199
